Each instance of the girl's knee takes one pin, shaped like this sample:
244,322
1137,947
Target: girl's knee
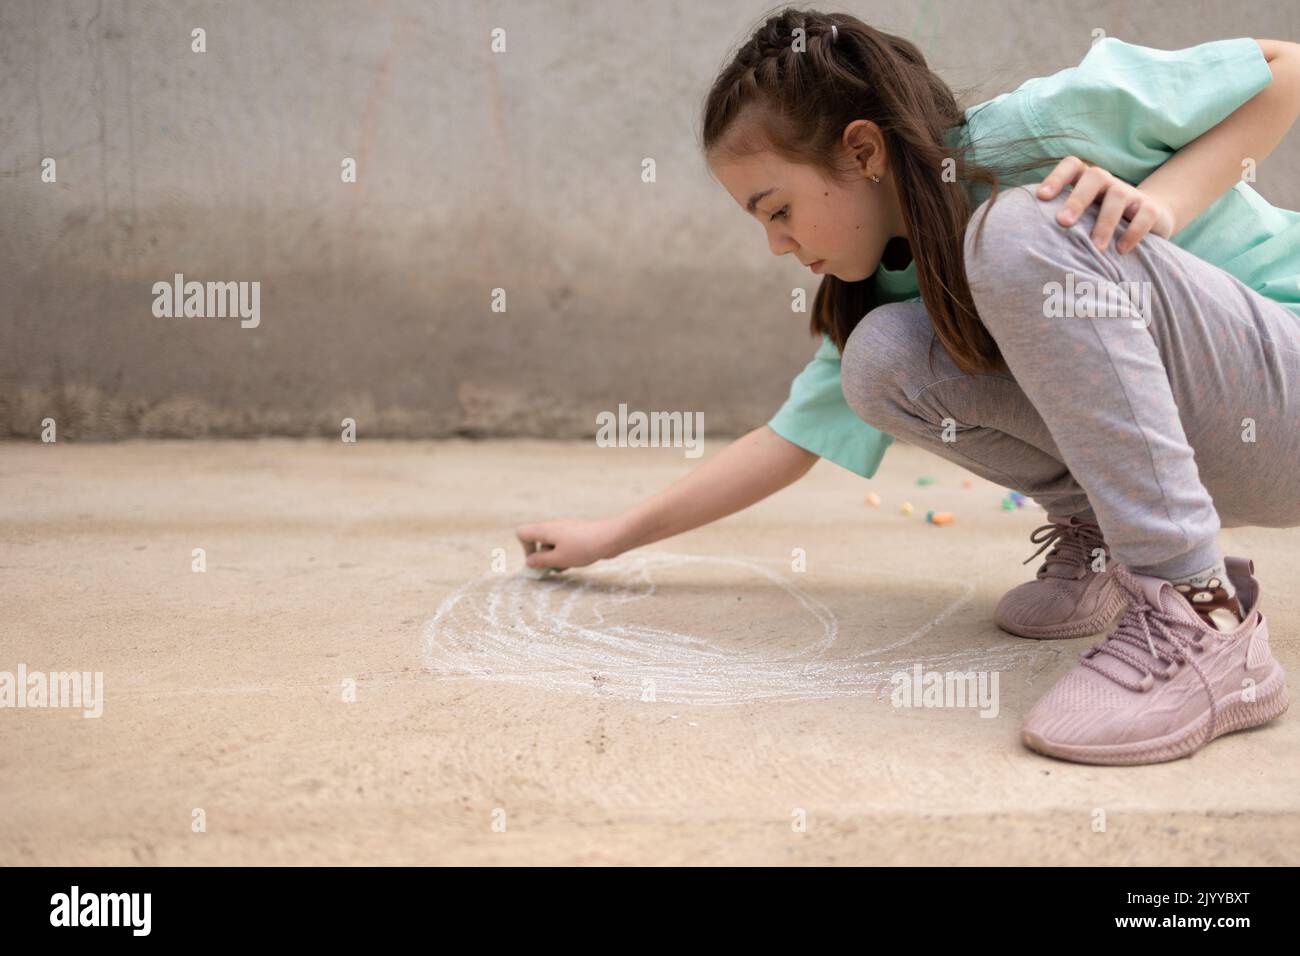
880,354
1003,234
1021,254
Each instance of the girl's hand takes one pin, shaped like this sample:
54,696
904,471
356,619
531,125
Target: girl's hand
568,543
1145,213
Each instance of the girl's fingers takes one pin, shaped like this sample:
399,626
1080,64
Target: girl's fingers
1118,199
1081,197
1113,204
1066,171
543,560
1091,184
531,537
1138,228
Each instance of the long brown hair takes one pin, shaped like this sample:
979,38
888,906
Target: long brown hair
798,103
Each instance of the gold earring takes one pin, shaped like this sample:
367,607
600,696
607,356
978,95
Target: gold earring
875,178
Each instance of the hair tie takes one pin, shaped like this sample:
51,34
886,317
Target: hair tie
835,33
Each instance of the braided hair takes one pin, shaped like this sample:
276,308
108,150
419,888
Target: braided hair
794,85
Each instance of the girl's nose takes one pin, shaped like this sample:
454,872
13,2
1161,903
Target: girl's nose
780,245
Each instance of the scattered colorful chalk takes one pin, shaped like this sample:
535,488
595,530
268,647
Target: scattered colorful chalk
906,508
925,480
873,499
1017,498
940,517
968,483
1008,504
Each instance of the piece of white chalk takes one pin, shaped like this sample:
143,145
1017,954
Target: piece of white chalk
537,573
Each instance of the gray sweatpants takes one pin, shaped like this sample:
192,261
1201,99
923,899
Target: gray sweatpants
1164,402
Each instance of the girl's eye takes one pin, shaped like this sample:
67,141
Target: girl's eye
782,212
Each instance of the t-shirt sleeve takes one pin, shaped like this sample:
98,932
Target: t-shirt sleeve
817,418
1139,105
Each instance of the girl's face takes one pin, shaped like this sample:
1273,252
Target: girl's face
844,225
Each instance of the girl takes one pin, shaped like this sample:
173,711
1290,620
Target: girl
1144,387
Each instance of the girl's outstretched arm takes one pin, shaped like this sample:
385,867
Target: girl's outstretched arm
752,467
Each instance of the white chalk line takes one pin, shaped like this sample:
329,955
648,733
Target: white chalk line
510,629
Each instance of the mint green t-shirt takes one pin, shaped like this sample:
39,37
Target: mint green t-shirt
1137,106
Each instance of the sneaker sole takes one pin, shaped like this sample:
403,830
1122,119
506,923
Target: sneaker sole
1234,714
1100,622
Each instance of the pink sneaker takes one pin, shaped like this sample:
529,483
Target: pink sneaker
1165,683
1067,598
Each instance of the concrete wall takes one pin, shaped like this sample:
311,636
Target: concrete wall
475,171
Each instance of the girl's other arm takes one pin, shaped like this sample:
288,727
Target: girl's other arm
749,469
1207,167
